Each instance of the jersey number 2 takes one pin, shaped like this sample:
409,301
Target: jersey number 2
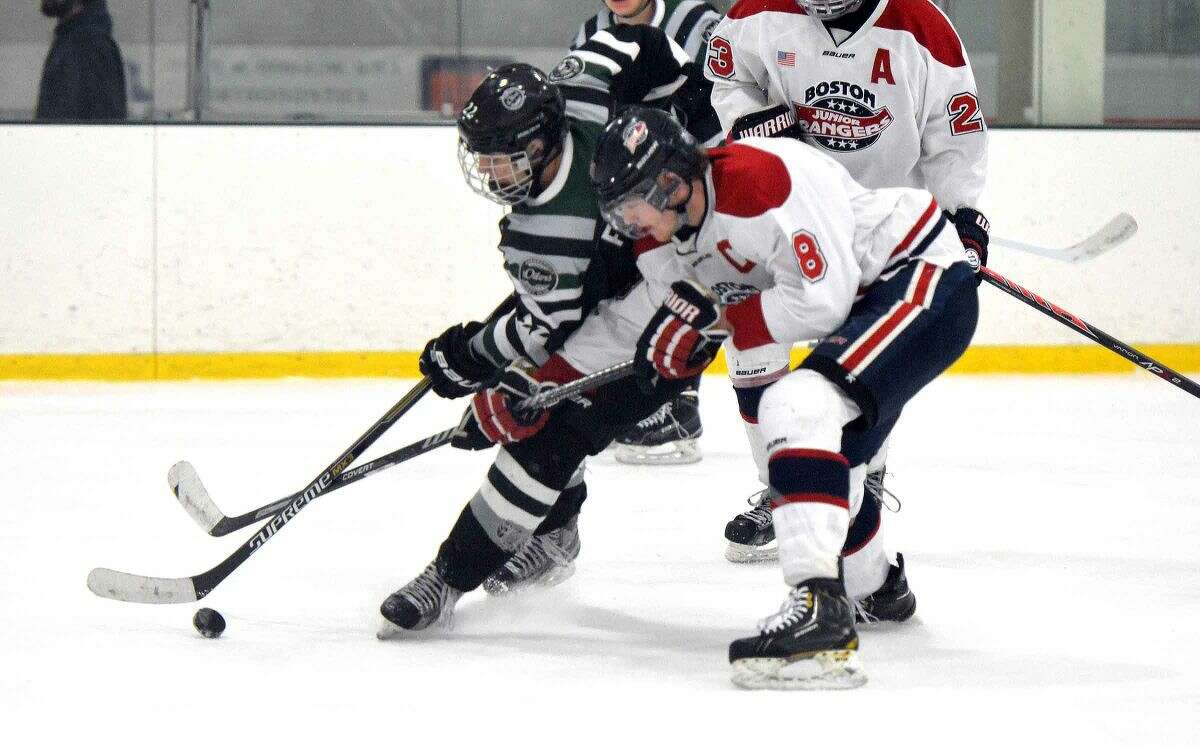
720,57
808,252
965,116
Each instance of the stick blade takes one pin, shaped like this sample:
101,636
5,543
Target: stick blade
129,587
193,496
1114,233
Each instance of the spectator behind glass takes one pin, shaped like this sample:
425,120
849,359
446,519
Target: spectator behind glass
84,77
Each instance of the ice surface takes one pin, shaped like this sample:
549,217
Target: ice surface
1051,528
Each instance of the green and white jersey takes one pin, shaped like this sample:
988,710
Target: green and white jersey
687,22
620,66
652,64
560,255
561,258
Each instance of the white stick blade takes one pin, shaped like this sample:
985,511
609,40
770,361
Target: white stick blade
1116,232
128,587
186,486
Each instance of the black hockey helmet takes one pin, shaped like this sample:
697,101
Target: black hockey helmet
645,154
514,106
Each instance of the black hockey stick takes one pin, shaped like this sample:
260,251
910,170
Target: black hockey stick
1138,358
129,587
194,498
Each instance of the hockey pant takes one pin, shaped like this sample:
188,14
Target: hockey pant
836,411
537,485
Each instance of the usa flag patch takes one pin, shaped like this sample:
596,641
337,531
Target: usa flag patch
786,59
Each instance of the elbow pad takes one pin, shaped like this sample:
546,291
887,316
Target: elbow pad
776,121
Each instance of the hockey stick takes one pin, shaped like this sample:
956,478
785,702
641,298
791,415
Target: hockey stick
194,498
1117,231
1138,358
129,587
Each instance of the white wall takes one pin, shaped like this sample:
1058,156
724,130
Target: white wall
185,238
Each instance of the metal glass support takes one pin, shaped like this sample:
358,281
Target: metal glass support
197,69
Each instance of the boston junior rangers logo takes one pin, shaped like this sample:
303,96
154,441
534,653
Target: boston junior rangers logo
841,116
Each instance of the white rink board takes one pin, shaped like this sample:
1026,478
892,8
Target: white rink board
1051,544
279,238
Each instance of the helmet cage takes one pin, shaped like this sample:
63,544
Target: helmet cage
655,191
827,10
503,178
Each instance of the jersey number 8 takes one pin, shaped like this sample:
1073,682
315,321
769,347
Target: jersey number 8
808,252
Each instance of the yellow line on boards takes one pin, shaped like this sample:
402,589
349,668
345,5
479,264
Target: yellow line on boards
979,359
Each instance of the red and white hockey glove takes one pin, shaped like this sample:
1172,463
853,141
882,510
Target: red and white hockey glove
681,338
493,417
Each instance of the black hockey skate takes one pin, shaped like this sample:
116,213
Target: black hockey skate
810,644
893,601
666,437
751,534
546,560
426,599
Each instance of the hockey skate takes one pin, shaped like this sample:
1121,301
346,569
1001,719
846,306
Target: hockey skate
893,602
751,534
546,560
810,644
426,599
666,437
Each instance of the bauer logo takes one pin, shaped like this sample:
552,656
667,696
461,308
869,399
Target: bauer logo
538,277
567,69
513,98
841,116
634,135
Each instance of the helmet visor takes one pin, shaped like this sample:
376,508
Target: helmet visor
632,213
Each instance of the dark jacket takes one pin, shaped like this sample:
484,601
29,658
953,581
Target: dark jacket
83,77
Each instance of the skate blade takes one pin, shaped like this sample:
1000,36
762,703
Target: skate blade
675,452
737,553
827,670
389,630
553,577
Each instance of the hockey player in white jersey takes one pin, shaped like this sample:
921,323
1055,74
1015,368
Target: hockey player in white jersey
669,436
886,89
788,247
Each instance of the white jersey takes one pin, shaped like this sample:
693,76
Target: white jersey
895,102
790,241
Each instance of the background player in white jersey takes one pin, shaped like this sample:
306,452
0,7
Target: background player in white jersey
789,247
885,88
669,435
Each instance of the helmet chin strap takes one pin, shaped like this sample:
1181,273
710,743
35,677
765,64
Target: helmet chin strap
686,230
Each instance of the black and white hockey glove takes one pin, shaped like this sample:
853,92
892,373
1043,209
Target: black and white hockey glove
455,369
681,338
493,418
777,121
973,231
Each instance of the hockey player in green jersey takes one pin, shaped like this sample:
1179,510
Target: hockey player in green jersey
527,141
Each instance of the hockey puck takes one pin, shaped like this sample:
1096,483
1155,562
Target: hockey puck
209,622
